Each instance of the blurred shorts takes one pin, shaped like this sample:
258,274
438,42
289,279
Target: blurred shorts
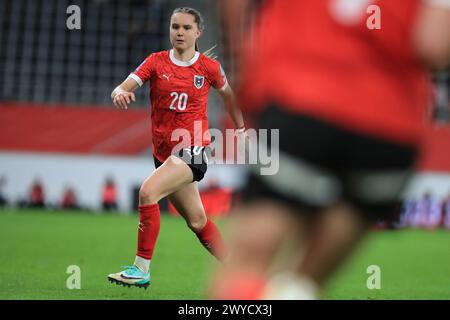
321,164
196,157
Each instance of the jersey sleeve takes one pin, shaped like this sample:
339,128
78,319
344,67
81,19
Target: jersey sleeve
218,77
144,71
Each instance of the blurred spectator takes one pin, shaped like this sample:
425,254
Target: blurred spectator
37,195
441,111
109,195
428,212
446,217
3,201
69,199
408,211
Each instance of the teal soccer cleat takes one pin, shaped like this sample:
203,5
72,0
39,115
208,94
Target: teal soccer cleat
131,276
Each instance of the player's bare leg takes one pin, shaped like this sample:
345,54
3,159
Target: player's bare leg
331,239
172,175
188,203
258,231
334,238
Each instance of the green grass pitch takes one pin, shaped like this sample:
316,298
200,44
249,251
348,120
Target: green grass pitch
36,248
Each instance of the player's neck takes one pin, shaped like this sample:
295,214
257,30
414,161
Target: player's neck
186,55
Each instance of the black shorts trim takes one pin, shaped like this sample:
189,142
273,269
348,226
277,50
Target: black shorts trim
196,157
321,164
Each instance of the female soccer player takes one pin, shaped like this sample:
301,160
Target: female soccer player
180,80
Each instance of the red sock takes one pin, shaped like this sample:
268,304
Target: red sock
149,221
232,285
211,239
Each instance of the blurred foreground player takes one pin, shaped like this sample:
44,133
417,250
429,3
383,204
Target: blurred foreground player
348,95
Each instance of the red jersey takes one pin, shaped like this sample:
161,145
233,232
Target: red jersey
321,59
179,97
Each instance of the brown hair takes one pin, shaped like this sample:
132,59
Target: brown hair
198,18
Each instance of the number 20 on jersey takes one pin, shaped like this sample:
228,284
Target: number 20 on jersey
179,101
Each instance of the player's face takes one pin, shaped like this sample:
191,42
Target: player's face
183,31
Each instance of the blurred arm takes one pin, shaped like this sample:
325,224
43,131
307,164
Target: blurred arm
234,16
235,113
432,33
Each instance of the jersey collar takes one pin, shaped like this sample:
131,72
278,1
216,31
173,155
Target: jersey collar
183,63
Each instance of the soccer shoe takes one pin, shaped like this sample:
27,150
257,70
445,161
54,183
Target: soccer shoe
131,276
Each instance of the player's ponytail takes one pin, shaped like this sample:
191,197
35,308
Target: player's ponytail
198,18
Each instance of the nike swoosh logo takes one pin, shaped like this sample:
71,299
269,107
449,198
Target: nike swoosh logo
133,278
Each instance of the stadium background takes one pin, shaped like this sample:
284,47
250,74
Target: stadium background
56,105
58,126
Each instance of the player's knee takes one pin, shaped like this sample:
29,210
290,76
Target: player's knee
148,195
197,223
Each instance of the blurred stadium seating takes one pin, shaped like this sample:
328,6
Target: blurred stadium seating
43,61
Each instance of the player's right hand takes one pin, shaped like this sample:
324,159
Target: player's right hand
243,141
123,99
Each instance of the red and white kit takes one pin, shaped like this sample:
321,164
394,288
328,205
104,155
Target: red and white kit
179,96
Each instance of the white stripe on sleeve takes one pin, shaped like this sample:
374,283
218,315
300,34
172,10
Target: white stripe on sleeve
136,78
224,86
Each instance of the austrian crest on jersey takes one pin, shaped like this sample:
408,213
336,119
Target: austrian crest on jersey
199,81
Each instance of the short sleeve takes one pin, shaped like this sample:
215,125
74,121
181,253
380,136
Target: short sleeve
144,71
218,77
